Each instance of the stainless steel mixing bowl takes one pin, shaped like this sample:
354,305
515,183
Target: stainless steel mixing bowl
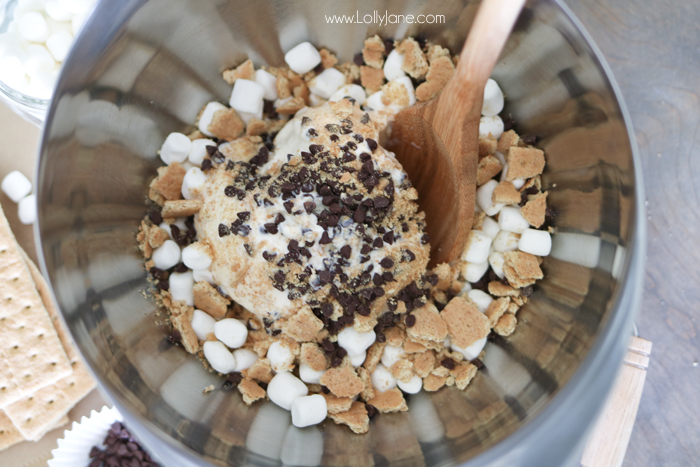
142,69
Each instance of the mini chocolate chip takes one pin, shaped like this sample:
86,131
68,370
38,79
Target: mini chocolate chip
346,251
387,276
325,239
244,216
381,202
529,139
271,227
359,215
224,230
526,291
371,143
155,216
477,363
425,239
357,59
230,191
410,321
387,263
389,237
336,361
447,362
378,243
180,268
324,277
432,279
269,257
404,227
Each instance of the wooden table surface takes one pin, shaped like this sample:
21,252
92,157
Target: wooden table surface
653,47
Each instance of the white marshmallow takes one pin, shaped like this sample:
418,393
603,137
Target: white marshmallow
490,126
501,158
56,11
187,165
490,227
285,388
355,91
41,84
392,65
408,84
327,82
477,249
309,375
244,359
12,70
309,410
414,385
196,256
247,96
391,355
194,178
535,242
358,360
76,24
355,342
493,99
26,210
219,357
510,220
506,241
484,195
176,148
269,83
208,115
231,332
466,287
199,150
247,116
16,186
314,100
59,45
496,261
481,299
30,5
473,272
303,58
203,275
32,27
473,351
77,7
39,60
167,255
382,379
182,287
202,324
280,356
374,101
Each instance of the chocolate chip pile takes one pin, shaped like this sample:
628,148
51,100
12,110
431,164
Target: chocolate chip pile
121,450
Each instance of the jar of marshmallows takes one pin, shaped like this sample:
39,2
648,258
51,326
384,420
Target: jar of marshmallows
35,38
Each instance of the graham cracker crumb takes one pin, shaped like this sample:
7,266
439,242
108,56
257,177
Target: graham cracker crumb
302,91
507,140
313,355
255,127
181,317
328,59
499,289
156,197
206,298
478,220
243,71
261,371
411,346
157,236
181,207
395,336
513,308
389,401
168,183
414,63
424,363
250,391
433,382
524,163
429,325
505,193
368,391
487,146
535,209
337,404
371,78
463,374
242,149
356,418
436,51
521,269
303,326
373,52
496,309
292,106
445,275
283,89
342,108
374,355
342,381
395,93
506,325
226,124
465,322
196,134
351,72
440,72
488,168
402,370
208,389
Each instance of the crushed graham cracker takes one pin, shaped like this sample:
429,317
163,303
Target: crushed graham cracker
389,401
356,418
208,299
429,325
371,78
226,124
313,355
368,391
423,363
463,374
521,269
436,51
337,404
181,207
373,52
505,193
374,355
414,62
395,93
251,391
478,220
507,140
524,163
465,322
439,73
168,182
242,149
402,370
342,381
303,326
292,106
488,168
506,325
255,127
496,309
411,346
283,89
535,209
181,318
487,146
395,336
499,289
433,382
243,71
328,59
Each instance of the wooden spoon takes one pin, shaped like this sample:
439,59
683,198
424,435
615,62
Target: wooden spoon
437,142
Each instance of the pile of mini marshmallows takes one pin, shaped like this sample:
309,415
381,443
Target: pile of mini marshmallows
18,188
37,42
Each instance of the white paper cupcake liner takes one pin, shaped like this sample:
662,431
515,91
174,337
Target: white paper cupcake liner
74,448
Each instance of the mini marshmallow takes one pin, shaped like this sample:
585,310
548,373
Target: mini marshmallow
26,210
302,58
408,84
382,379
473,272
56,11
203,275
493,99
269,83
309,410
12,70
196,256
490,126
199,150
391,355
202,324
481,299
194,178
327,82
484,196
466,287
374,101
208,115
32,27
354,91
535,242
501,158
309,375
392,65
314,100
285,388
59,44
41,84
473,351
76,24
355,342
176,148
182,287
506,241
167,255
247,96
219,357
231,332
77,7
280,356
244,359
510,220
496,261
248,116
517,183
358,360
16,186
414,385
490,227
39,60
477,250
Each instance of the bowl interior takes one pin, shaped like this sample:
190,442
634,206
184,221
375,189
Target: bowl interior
142,69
